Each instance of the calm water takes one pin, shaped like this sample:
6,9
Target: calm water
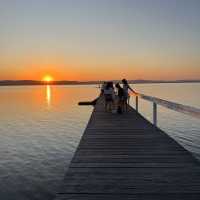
41,126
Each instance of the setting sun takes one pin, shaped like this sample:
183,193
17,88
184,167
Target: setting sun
47,78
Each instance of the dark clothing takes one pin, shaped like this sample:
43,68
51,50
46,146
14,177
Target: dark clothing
120,93
108,97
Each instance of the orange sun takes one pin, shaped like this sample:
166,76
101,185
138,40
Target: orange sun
48,78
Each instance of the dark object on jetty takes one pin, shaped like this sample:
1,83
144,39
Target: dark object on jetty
119,110
125,157
88,103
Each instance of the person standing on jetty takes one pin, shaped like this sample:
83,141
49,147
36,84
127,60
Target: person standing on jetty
109,94
120,98
103,87
126,88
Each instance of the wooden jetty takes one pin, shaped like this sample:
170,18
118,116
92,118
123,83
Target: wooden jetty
125,157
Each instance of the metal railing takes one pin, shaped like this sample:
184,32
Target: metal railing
188,110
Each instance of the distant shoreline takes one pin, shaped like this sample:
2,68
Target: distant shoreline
33,82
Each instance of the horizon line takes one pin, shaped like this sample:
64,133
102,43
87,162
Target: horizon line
35,80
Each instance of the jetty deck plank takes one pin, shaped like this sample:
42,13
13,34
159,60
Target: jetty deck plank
125,157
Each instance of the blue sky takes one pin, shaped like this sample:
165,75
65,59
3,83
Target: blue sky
86,38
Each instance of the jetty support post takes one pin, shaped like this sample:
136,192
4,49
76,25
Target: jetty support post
136,103
154,113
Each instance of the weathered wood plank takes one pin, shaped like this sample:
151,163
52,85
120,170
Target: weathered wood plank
158,196
133,165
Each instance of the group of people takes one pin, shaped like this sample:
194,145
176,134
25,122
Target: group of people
116,98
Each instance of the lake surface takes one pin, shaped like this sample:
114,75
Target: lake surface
40,128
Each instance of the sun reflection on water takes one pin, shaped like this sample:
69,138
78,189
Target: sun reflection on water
48,95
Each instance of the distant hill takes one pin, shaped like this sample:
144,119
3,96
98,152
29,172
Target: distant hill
164,81
65,82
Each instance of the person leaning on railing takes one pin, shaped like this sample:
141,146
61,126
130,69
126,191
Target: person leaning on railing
126,89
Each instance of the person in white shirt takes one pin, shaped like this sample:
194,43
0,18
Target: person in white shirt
109,96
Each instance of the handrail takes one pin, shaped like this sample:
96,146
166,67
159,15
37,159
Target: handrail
188,110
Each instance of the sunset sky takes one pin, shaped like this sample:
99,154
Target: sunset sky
100,39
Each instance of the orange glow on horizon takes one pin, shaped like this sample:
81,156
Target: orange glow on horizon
47,78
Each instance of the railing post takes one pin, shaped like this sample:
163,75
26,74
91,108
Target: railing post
154,113
136,103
